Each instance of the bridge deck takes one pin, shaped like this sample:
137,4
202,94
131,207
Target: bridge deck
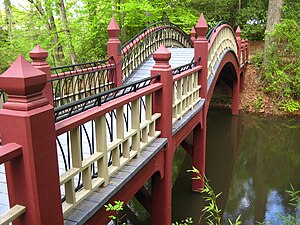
82,212
179,57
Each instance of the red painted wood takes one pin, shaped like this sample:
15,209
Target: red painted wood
154,166
187,147
161,188
76,120
238,39
144,198
193,34
199,150
188,128
81,71
186,73
28,120
114,49
201,50
9,152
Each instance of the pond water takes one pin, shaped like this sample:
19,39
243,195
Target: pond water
252,160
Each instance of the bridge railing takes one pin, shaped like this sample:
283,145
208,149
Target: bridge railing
10,152
221,41
73,82
186,89
96,143
146,42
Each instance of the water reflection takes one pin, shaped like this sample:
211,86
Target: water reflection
252,160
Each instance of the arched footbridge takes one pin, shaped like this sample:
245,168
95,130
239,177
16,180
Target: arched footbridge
77,137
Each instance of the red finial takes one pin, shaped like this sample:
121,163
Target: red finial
162,57
193,34
162,54
238,31
113,28
201,26
38,54
22,79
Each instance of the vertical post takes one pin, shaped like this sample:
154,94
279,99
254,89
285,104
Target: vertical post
193,34
247,50
114,50
201,50
238,39
39,56
199,133
33,179
162,188
243,50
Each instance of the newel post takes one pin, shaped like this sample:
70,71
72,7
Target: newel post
243,50
39,56
161,188
193,34
247,50
239,42
199,132
27,119
201,50
114,50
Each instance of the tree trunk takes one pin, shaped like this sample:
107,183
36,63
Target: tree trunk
56,46
64,19
8,18
274,16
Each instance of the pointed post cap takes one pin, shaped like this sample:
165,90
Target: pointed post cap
201,26
238,31
22,79
193,32
38,54
162,55
113,28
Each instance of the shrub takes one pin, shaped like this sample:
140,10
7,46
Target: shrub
282,69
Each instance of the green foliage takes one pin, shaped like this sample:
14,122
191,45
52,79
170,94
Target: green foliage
282,70
184,222
257,59
258,103
211,209
118,206
252,19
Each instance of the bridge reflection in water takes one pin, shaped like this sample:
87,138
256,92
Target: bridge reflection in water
106,136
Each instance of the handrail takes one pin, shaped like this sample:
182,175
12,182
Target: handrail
152,26
9,152
89,102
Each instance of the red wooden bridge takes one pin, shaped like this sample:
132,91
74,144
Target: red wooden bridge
77,137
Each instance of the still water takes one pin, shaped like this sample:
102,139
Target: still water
252,160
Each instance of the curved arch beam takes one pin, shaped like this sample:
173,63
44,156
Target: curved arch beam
228,59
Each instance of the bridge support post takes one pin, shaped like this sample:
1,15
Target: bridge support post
239,42
201,50
199,135
39,56
114,50
27,119
162,188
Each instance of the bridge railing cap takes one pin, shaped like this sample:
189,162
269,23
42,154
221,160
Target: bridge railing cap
38,54
162,54
113,28
238,31
22,79
201,26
